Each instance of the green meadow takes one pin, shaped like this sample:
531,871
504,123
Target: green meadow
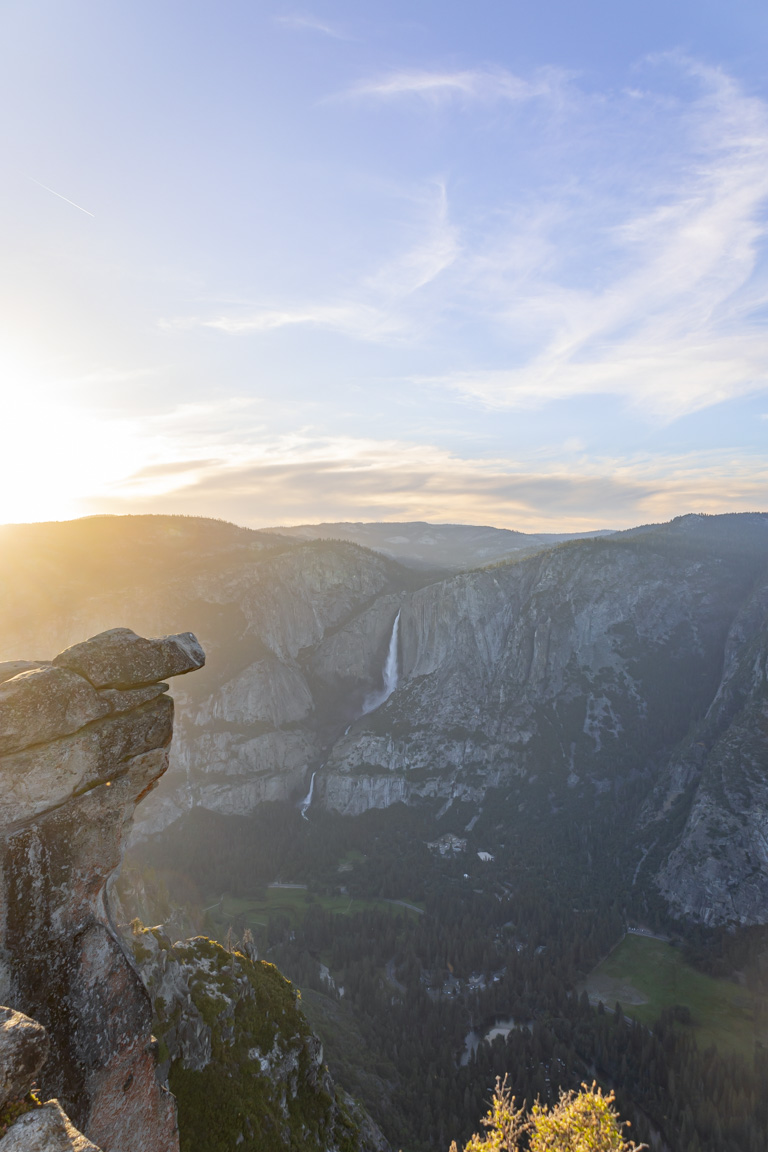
254,912
646,976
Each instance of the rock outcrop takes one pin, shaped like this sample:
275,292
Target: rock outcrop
24,1049
26,1124
241,1058
718,870
121,659
46,1129
82,741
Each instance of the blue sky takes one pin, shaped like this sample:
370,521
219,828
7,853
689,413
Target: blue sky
494,263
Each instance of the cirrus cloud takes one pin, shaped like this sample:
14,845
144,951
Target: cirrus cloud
643,277
483,84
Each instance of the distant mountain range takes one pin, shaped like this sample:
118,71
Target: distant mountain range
601,703
450,547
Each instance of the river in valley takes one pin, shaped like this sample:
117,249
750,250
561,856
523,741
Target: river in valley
475,1038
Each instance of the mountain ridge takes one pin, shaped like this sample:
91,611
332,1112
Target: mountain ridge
422,545
581,671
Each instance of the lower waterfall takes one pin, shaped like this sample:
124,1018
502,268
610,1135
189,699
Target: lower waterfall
308,798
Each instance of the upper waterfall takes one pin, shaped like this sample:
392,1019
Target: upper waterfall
376,699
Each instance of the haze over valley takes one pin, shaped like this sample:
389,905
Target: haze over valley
526,757
384,576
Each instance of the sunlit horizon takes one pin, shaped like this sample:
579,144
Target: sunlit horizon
355,265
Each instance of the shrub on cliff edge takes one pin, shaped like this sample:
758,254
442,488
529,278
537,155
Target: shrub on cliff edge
583,1121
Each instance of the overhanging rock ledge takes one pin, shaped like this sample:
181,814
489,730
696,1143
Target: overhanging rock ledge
82,739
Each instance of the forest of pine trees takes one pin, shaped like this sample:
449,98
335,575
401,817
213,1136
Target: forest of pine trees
395,1038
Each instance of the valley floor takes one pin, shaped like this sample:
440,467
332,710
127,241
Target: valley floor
648,976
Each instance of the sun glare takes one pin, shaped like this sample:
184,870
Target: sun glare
56,456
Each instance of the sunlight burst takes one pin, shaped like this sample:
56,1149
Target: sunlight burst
58,455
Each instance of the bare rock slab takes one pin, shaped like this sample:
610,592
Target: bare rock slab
11,668
132,697
23,1051
46,1129
121,659
40,704
82,741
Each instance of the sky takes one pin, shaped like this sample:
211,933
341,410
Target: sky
478,262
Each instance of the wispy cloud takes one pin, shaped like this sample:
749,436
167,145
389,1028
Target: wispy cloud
437,249
306,476
665,378
174,468
351,318
480,84
673,329
382,305
301,22
634,272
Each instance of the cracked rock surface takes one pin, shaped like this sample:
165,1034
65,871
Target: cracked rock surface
82,741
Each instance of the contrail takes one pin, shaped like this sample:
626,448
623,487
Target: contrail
60,196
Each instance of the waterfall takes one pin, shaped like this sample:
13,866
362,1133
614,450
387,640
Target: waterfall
308,798
372,701
376,699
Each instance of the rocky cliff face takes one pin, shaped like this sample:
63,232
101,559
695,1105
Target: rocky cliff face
631,661
554,664
295,639
82,740
26,1124
637,660
717,871
241,1059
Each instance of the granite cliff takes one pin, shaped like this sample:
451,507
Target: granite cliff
717,781
278,622
636,662
82,740
550,665
26,1123
597,667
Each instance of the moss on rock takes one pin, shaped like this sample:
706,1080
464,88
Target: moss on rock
243,1063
